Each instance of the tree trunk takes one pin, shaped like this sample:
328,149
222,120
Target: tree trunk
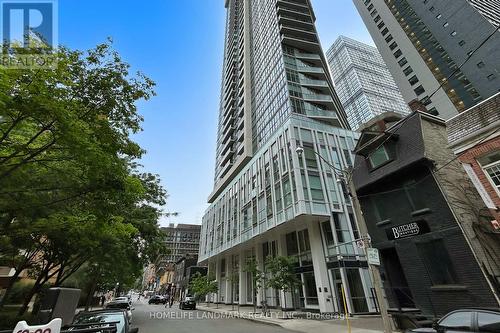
90,295
36,288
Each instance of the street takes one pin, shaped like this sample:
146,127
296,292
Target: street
158,319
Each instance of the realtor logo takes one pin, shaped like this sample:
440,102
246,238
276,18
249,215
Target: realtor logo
28,33
28,24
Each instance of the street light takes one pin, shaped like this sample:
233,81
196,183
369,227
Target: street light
344,176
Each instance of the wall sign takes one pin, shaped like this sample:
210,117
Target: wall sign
407,230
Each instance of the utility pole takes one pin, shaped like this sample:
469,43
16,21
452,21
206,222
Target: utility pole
374,269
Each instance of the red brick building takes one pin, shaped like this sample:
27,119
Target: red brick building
474,136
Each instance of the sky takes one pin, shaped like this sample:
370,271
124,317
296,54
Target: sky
179,44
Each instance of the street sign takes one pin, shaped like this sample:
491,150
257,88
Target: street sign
54,326
360,243
373,257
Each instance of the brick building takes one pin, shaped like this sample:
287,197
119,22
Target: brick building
474,136
421,212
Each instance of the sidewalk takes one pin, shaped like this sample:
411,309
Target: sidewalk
301,321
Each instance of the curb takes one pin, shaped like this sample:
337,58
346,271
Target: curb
240,315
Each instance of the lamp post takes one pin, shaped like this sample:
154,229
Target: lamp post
345,176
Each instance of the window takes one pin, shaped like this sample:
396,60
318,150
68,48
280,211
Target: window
458,321
385,31
425,1
437,262
381,24
408,70
433,111
431,9
461,43
388,38
488,322
402,62
491,77
291,243
491,166
413,80
393,45
445,24
378,157
398,53
376,19
370,7
316,189
453,33
438,16
419,90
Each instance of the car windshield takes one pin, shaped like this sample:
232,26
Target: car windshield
117,305
102,318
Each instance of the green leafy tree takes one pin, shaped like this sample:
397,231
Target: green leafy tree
282,274
71,192
257,276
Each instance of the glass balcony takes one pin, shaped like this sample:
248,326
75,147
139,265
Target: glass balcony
317,97
312,82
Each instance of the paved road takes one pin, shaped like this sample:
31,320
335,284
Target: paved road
158,319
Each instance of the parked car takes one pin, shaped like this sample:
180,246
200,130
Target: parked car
121,305
465,321
123,299
188,302
157,299
94,319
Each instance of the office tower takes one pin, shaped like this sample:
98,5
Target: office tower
432,45
268,199
363,82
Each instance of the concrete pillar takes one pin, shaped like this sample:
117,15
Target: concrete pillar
243,280
323,285
229,271
260,266
217,277
282,252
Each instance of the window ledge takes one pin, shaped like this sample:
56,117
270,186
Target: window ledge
384,222
449,287
421,212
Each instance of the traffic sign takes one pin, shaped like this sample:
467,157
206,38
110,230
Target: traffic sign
373,257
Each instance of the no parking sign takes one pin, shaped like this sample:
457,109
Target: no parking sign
53,327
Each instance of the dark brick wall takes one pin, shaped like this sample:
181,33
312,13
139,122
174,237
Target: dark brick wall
472,289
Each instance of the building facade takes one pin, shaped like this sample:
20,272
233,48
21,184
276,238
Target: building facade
418,205
181,240
436,48
474,136
364,84
273,202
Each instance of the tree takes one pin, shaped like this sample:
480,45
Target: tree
71,190
283,276
203,285
257,278
232,278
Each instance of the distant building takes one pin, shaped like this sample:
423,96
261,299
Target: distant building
419,208
181,241
181,278
362,81
431,45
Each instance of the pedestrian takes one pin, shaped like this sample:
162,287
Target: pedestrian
167,299
103,299
171,301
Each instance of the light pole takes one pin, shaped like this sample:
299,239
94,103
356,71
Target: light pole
345,176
